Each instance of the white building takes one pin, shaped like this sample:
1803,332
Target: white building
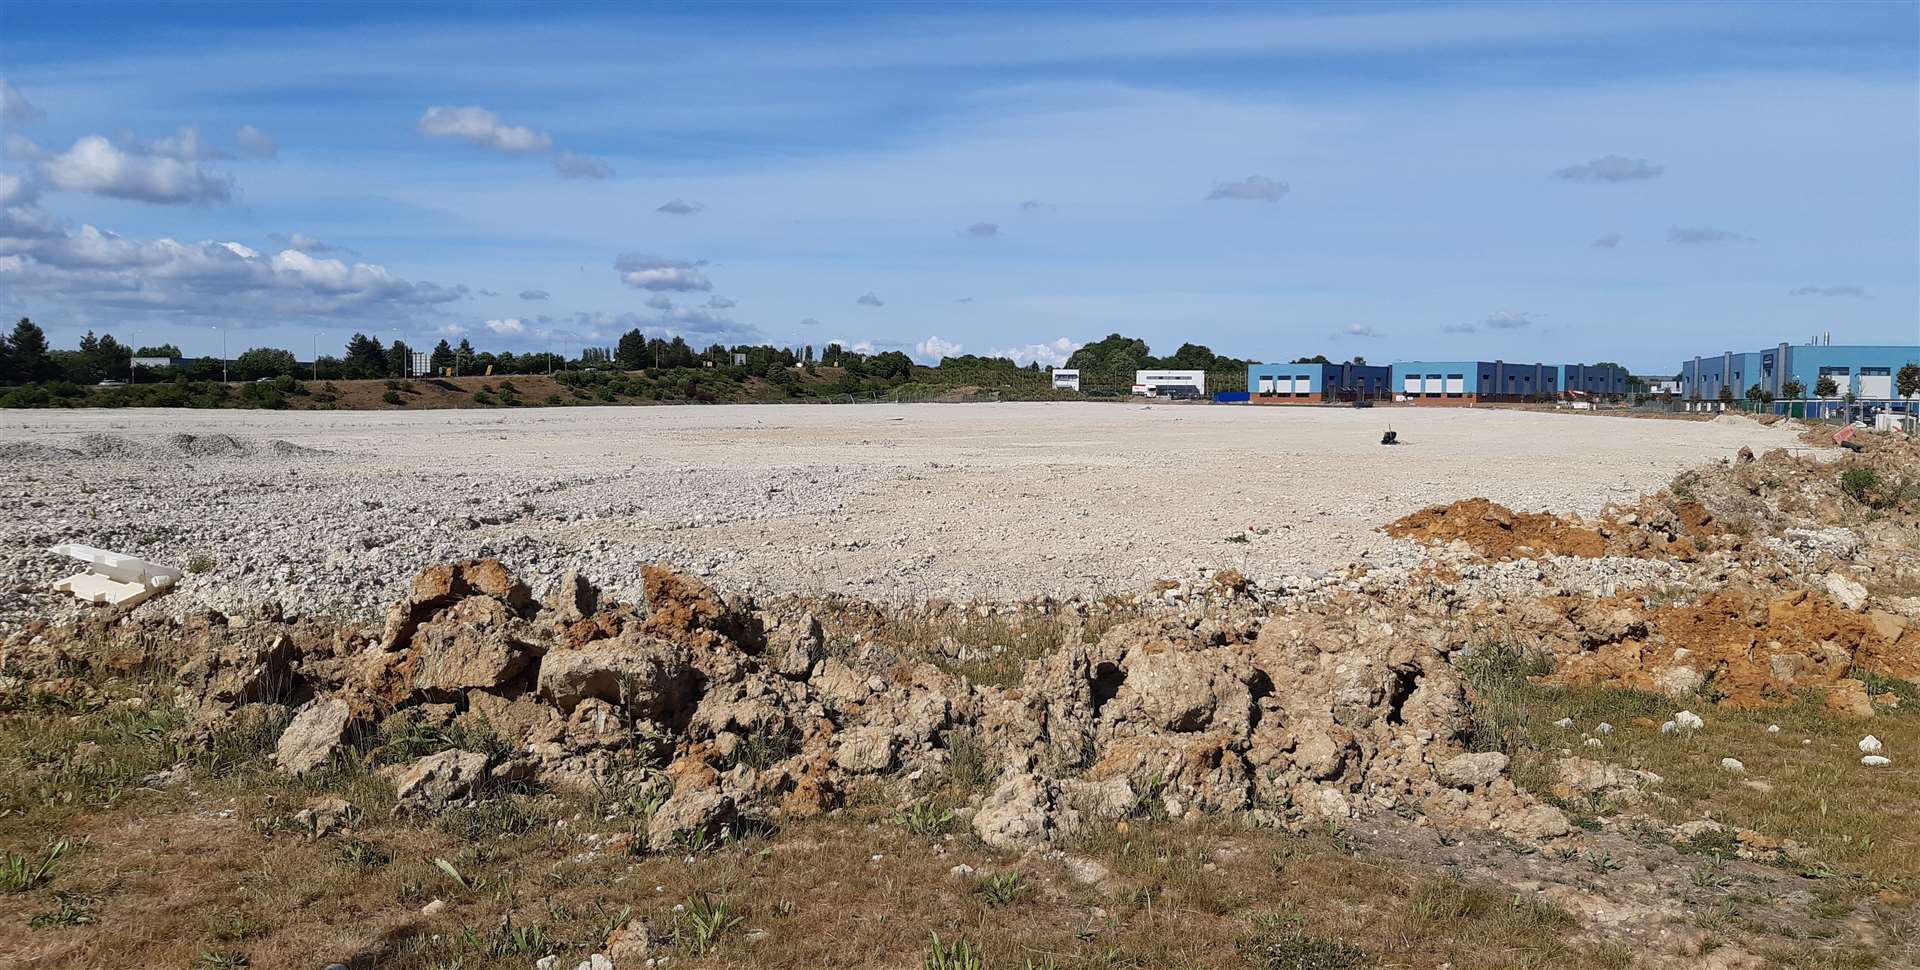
421,365
1154,383
1066,380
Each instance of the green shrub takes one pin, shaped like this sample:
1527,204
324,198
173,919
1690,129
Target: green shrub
391,397
1860,484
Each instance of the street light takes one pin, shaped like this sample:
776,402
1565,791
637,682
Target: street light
223,352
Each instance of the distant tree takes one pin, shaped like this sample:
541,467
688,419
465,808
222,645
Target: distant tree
6,359
1726,392
1759,395
365,356
159,350
1826,387
1111,360
442,357
808,356
463,357
632,350
589,356
1359,361
1315,359
259,362
1793,390
28,349
400,359
1907,382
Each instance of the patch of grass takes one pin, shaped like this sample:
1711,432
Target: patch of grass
1003,888
71,909
703,922
926,818
957,955
506,816
21,873
238,927
1281,943
969,767
242,739
361,854
199,563
1860,484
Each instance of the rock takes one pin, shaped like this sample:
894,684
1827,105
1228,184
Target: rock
1732,764
648,678
1471,770
1876,761
1579,777
1021,811
1591,743
434,908
864,750
1848,696
1669,727
1698,828
1869,745
1688,721
1678,680
961,871
477,642
1603,728
691,812
313,736
598,961
1773,729
572,599
794,647
1845,591
1535,823
325,816
631,944
1564,724
432,782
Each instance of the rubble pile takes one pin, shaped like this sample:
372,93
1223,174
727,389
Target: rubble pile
727,713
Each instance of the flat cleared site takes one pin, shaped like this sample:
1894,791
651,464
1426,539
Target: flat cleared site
993,501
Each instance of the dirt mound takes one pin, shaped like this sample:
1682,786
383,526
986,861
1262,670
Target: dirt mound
108,447
208,446
1497,532
1745,648
731,712
31,451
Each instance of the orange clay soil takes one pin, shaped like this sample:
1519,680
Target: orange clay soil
1755,651
1498,532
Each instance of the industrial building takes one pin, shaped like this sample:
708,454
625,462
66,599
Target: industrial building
1857,373
1317,383
1170,383
1460,382
1593,380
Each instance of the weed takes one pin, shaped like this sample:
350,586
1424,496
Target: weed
223,961
455,875
1292,948
237,927
75,909
1003,888
703,922
958,955
1860,484
361,854
508,939
968,767
199,563
925,818
242,739
1239,537
492,819
20,873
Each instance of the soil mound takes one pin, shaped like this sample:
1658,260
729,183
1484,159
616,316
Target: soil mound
1498,532
1745,648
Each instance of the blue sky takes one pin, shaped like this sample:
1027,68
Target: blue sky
1635,182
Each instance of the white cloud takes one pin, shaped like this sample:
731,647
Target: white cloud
1703,236
306,243
659,303
483,128
647,272
933,349
681,207
257,143
869,299
1509,321
14,106
1608,241
186,145
533,294
97,166
20,148
1359,330
1611,168
1256,187
14,190
1053,354
856,346
1853,291
574,166
982,230
215,280
719,303
510,327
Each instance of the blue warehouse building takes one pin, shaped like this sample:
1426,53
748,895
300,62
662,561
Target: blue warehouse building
1594,381
1317,383
1461,382
1865,374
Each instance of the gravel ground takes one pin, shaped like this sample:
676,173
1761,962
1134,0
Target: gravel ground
331,512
